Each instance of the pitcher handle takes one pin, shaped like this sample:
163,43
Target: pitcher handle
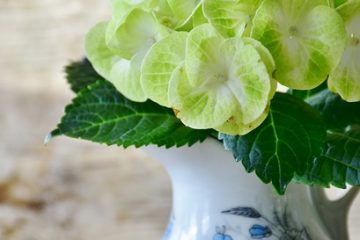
334,213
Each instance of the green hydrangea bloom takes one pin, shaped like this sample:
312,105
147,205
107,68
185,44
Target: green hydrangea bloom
220,79
217,63
345,78
117,48
306,39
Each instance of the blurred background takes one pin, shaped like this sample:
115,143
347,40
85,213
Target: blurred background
69,189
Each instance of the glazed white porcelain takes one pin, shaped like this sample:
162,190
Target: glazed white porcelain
215,199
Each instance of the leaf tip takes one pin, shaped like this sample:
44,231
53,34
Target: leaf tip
50,136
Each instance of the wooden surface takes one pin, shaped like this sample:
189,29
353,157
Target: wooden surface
69,189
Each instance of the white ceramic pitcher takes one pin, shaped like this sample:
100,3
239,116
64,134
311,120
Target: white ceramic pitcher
215,199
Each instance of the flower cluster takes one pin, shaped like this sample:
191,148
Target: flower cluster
217,63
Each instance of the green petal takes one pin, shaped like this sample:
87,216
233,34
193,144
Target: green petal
267,59
125,75
196,107
265,54
230,17
199,53
120,8
306,40
350,12
97,51
337,3
234,125
164,14
248,80
159,64
199,17
183,9
139,30
345,78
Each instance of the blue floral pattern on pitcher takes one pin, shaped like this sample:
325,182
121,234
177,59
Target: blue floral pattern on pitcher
281,227
259,232
221,234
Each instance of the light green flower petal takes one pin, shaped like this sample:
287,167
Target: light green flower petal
248,79
120,8
173,14
97,51
265,54
345,79
125,75
165,16
337,3
197,107
349,12
202,48
183,9
273,88
234,125
159,64
267,59
139,30
306,39
230,17
199,17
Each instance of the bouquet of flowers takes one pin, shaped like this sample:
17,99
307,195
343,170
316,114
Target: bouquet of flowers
174,72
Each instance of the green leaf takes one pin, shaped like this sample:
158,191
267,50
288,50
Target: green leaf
101,114
81,74
283,144
339,162
336,112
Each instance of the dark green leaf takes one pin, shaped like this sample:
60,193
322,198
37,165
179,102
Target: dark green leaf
101,114
339,162
284,144
81,74
336,112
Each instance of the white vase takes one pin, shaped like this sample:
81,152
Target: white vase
215,199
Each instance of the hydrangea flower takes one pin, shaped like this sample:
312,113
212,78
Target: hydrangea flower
217,63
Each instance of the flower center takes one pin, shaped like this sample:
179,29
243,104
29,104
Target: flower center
215,80
293,31
220,78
